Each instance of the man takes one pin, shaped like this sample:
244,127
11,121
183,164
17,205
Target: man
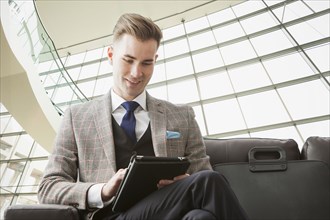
92,149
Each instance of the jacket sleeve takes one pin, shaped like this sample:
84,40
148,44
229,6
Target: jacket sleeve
59,184
195,148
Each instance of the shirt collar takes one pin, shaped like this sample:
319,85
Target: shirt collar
116,100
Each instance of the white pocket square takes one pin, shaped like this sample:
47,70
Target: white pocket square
172,134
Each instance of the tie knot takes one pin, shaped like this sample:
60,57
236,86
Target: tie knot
130,105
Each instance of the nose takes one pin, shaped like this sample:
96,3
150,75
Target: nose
136,71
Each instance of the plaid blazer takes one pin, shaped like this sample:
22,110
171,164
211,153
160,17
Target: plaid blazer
84,151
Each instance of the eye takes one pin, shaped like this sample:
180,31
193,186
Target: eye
147,63
128,60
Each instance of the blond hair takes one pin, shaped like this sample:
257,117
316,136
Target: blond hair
140,27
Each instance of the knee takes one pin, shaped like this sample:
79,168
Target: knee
211,176
199,214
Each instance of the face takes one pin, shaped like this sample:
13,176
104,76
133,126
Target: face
133,64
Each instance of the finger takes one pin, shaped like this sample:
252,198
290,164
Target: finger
181,177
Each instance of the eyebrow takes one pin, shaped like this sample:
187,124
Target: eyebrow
131,57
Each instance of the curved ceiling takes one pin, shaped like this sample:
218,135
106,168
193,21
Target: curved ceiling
76,26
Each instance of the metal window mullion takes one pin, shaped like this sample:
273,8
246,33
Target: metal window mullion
236,97
304,54
264,68
272,126
196,79
292,39
165,70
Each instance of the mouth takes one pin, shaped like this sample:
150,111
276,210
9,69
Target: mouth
133,82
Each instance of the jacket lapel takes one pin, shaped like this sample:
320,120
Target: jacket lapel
157,115
103,121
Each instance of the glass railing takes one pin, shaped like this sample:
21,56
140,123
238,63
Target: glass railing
37,43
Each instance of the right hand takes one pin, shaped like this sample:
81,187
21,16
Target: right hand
110,188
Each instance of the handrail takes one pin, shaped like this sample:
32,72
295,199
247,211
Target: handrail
38,46
57,56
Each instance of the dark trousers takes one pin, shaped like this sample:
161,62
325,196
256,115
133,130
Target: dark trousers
205,195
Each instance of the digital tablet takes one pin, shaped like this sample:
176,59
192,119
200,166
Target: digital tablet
142,176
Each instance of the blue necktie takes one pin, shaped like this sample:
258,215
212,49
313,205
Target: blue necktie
128,122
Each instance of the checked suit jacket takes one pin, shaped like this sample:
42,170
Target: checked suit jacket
84,151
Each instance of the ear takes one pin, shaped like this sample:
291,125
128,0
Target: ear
110,54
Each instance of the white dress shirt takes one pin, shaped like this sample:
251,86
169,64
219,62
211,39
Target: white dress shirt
142,122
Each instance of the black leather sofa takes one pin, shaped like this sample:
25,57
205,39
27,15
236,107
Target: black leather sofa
272,179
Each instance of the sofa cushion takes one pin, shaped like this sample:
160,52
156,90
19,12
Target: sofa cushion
236,149
41,212
316,148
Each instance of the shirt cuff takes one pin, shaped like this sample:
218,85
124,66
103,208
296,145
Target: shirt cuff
94,197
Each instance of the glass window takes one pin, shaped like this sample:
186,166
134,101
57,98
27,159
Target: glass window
63,94
263,44
223,116
196,24
247,7
159,92
221,16
287,68
105,52
200,120
105,67
183,92
39,151
176,48
237,52
320,55
13,126
201,40
311,30
74,73
11,176
160,52
213,60
87,88
33,176
52,79
50,92
318,5
4,122
30,199
159,73
173,32
319,128
90,70
248,77
23,146
5,202
273,2
228,32
280,133
103,85
306,100
2,108
7,146
258,23
179,67
75,59
93,54
292,11
263,109
44,66
214,85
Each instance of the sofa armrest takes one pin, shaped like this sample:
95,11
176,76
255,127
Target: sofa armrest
236,149
41,212
316,148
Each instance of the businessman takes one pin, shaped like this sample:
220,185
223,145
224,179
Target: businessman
96,140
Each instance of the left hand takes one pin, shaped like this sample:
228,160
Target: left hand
163,183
